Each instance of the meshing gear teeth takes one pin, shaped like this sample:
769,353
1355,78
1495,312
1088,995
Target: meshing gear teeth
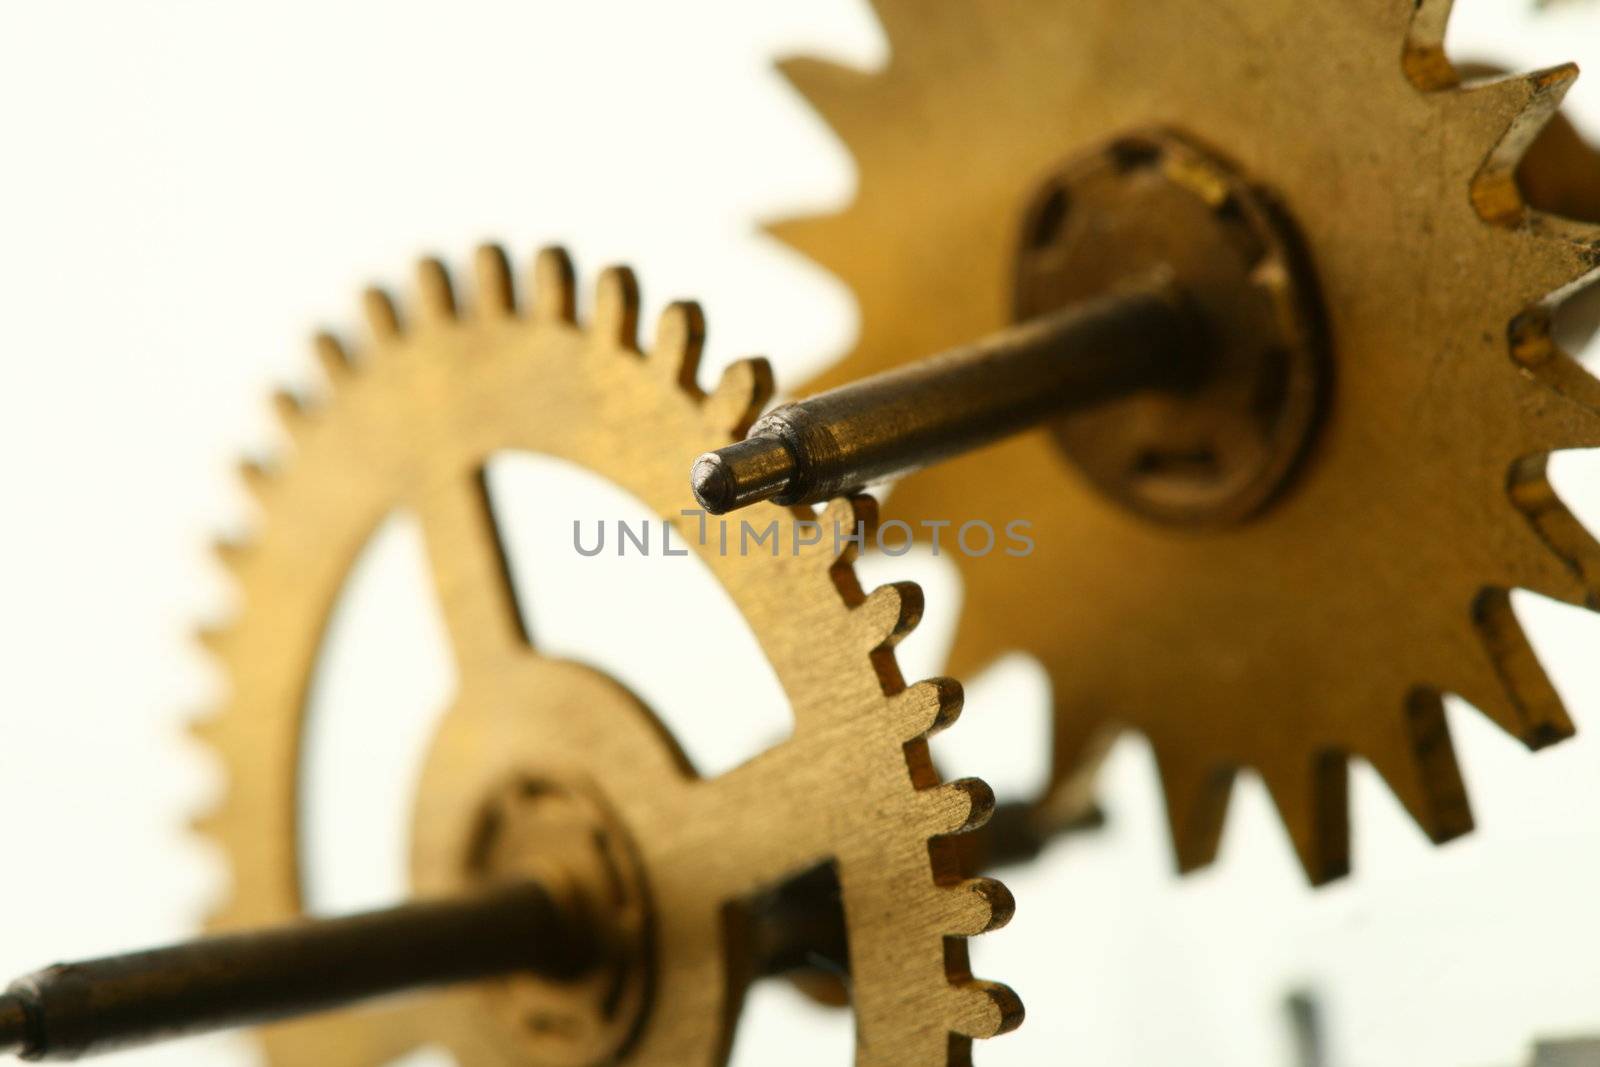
409,422
1333,623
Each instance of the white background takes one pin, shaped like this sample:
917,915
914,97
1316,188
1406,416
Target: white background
189,189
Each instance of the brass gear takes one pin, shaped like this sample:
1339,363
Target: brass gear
1332,624
552,752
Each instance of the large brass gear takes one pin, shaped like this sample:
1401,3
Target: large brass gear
540,761
1332,624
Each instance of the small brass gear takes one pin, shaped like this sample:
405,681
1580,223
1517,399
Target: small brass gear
1331,624
542,761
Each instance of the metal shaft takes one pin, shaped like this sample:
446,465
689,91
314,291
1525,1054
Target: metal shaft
914,416
71,1010
77,1009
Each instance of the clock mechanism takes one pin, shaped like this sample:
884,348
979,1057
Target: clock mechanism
1246,306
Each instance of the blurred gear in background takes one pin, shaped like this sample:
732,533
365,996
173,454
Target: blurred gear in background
1275,641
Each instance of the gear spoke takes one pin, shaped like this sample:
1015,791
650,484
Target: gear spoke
471,574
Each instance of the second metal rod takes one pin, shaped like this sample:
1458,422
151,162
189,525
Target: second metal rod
913,416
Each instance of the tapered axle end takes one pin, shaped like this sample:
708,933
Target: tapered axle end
752,470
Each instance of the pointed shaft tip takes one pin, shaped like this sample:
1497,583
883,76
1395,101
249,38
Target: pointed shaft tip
756,469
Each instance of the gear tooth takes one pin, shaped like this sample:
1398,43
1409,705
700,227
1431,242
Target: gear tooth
974,906
1565,554
1424,59
495,290
927,707
555,288
208,822
435,295
814,236
680,338
1514,691
291,410
891,611
1197,803
1313,799
256,475
331,356
1511,110
1421,769
205,730
958,806
1567,264
616,309
382,318
230,551
743,390
212,638
834,90
984,1009
1560,405
853,519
